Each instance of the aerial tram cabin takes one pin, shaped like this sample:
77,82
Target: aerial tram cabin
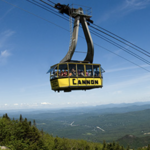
75,76
71,75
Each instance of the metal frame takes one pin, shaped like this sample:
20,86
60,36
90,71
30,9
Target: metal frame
80,17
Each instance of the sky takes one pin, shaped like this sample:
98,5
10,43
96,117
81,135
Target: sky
30,44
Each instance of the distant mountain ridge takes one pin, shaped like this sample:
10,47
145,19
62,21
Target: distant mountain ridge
101,109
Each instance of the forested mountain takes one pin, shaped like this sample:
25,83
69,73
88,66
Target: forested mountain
22,135
95,124
96,128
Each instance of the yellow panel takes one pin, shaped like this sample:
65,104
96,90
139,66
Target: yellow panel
81,82
54,84
85,82
97,81
89,82
63,82
76,82
73,82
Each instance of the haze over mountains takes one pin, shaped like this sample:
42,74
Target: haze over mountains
108,108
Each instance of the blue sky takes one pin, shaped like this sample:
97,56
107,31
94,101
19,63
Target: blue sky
30,45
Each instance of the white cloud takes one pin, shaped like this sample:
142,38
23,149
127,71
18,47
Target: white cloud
4,36
6,104
7,33
136,4
4,54
45,103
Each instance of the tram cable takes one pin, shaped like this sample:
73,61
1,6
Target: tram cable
121,41
122,57
98,35
47,9
121,38
120,47
51,1
48,4
79,36
113,36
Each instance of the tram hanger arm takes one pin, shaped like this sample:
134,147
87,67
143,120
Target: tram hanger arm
66,9
80,17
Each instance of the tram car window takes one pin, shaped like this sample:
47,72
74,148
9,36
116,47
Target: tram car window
63,70
102,71
72,70
96,70
53,72
89,70
80,70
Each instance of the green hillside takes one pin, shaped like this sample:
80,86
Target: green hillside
133,141
95,127
23,135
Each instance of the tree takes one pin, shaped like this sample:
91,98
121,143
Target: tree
117,147
42,133
104,145
20,119
6,116
34,123
96,148
29,123
148,148
56,143
87,147
122,148
128,147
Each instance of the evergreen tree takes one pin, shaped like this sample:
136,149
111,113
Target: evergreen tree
20,135
104,145
122,148
117,147
6,116
87,147
20,119
96,148
128,147
148,147
114,143
29,123
56,143
34,123
42,132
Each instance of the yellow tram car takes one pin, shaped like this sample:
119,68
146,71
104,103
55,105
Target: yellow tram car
69,76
